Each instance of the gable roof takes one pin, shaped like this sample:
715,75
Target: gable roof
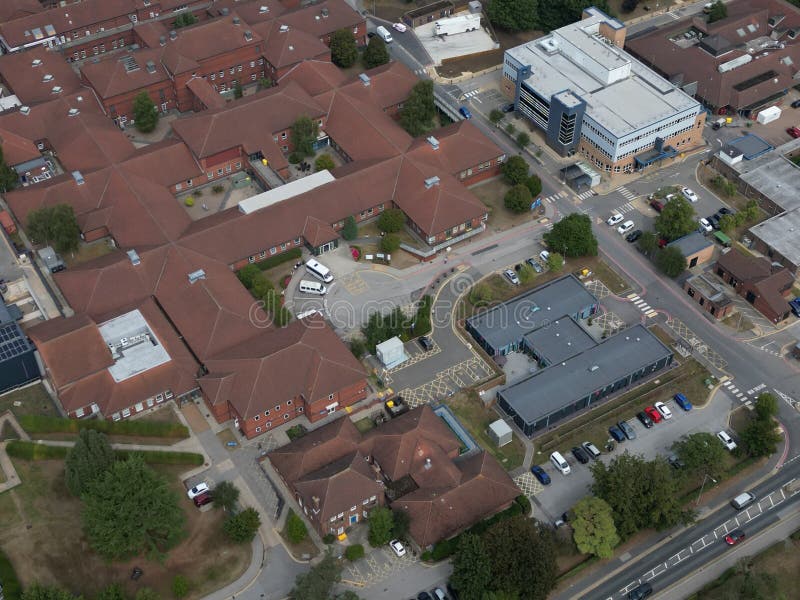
744,267
25,73
284,48
461,146
125,73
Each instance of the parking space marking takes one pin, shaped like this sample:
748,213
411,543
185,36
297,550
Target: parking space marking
354,283
377,566
529,485
597,288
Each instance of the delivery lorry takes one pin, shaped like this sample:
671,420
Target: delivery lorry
459,24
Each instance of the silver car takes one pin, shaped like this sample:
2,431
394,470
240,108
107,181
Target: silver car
511,276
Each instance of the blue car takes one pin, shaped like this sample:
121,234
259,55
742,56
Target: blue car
465,112
683,402
795,306
540,474
616,433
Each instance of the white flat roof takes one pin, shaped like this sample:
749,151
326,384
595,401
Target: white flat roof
284,192
133,345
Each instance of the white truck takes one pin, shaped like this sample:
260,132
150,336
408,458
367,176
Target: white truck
459,24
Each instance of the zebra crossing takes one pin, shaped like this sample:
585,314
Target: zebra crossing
419,71
627,207
642,305
553,197
626,193
471,94
674,15
586,195
745,397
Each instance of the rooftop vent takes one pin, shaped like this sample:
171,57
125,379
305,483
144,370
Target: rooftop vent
162,41
248,36
226,11
263,10
79,98
324,13
283,28
433,142
78,177
36,62
793,33
73,112
25,110
129,62
431,181
173,35
57,89
197,275
428,464
151,67
291,48
134,256
47,77
237,21
364,78
593,368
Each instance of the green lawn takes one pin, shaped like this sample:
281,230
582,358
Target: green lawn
31,400
364,425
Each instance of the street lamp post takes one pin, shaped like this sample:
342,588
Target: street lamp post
705,477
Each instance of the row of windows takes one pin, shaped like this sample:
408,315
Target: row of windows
353,508
77,55
670,125
227,169
235,69
273,251
268,424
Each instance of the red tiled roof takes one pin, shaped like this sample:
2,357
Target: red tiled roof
284,48
390,84
251,11
166,163
205,93
28,81
311,18
774,289
461,146
744,267
116,75
17,149
17,9
315,76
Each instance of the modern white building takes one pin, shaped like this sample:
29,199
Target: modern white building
588,95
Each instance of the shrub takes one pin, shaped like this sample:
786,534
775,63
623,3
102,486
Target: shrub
242,527
45,424
391,220
285,281
350,229
524,504
358,347
354,552
180,586
534,184
422,320
12,590
218,188
163,457
198,193
296,530
296,432
34,451
523,139
328,538
390,243
324,161
189,201
279,259
295,158
495,116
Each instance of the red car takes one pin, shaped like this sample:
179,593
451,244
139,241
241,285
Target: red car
794,132
653,414
202,499
734,537
657,205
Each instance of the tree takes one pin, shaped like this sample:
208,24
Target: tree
376,53
324,162
318,582
572,236
145,113
676,219
347,595
295,528
515,170
43,592
243,526
184,20
238,92
513,15
701,452
418,110
727,223
534,184
671,261
760,438
472,573
629,5
641,493
391,220
350,229
344,51
717,12
648,243
766,406
401,523
56,226
390,243
381,523
131,509
495,116
523,139
8,176
354,552
248,274
518,547
111,592
226,495
180,586
304,134
552,15
526,273
555,262
87,460
518,199
593,527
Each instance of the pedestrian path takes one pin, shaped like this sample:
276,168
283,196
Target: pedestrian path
625,192
586,195
419,72
625,208
553,197
642,305
745,397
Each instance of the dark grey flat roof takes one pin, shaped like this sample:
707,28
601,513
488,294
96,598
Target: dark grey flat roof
556,386
691,243
560,340
510,321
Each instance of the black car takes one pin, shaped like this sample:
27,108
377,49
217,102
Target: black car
427,596
616,433
796,104
371,34
641,592
725,211
580,454
627,430
714,220
645,419
634,235
426,343
507,108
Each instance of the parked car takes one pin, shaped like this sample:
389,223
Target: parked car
705,226
734,537
714,220
511,276
664,410
641,592
203,499
796,104
689,194
726,211
654,415
424,596
200,488
614,219
645,419
438,594
794,132
625,227
591,450
683,402
465,112
425,342
675,462
507,108
580,455
540,475
398,548
627,430
634,235
399,27
726,440
544,255
795,306
657,205
616,433
535,264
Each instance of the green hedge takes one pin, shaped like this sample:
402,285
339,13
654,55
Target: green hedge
42,424
34,451
422,320
12,590
279,259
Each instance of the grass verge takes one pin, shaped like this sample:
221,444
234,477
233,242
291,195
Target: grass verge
34,451
35,424
30,400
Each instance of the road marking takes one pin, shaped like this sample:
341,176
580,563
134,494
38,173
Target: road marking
625,192
633,297
651,314
586,195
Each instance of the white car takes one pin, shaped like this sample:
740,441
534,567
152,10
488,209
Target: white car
614,219
663,409
705,226
398,548
625,227
399,27
200,488
726,440
511,276
690,195
544,255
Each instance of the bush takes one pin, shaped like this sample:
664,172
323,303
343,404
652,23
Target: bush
45,424
34,451
279,259
180,586
518,199
189,201
12,590
391,220
358,347
350,229
295,158
354,552
217,188
328,538
296,432
534,184
390,243
163,457
524,504
242,527
422,319
296,530
324,161
523,139
495,116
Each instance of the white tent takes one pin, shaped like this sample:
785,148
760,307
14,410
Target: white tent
391,352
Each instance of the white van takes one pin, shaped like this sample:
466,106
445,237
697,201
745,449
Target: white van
743,500
559,463
319,270
312,287
384,34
